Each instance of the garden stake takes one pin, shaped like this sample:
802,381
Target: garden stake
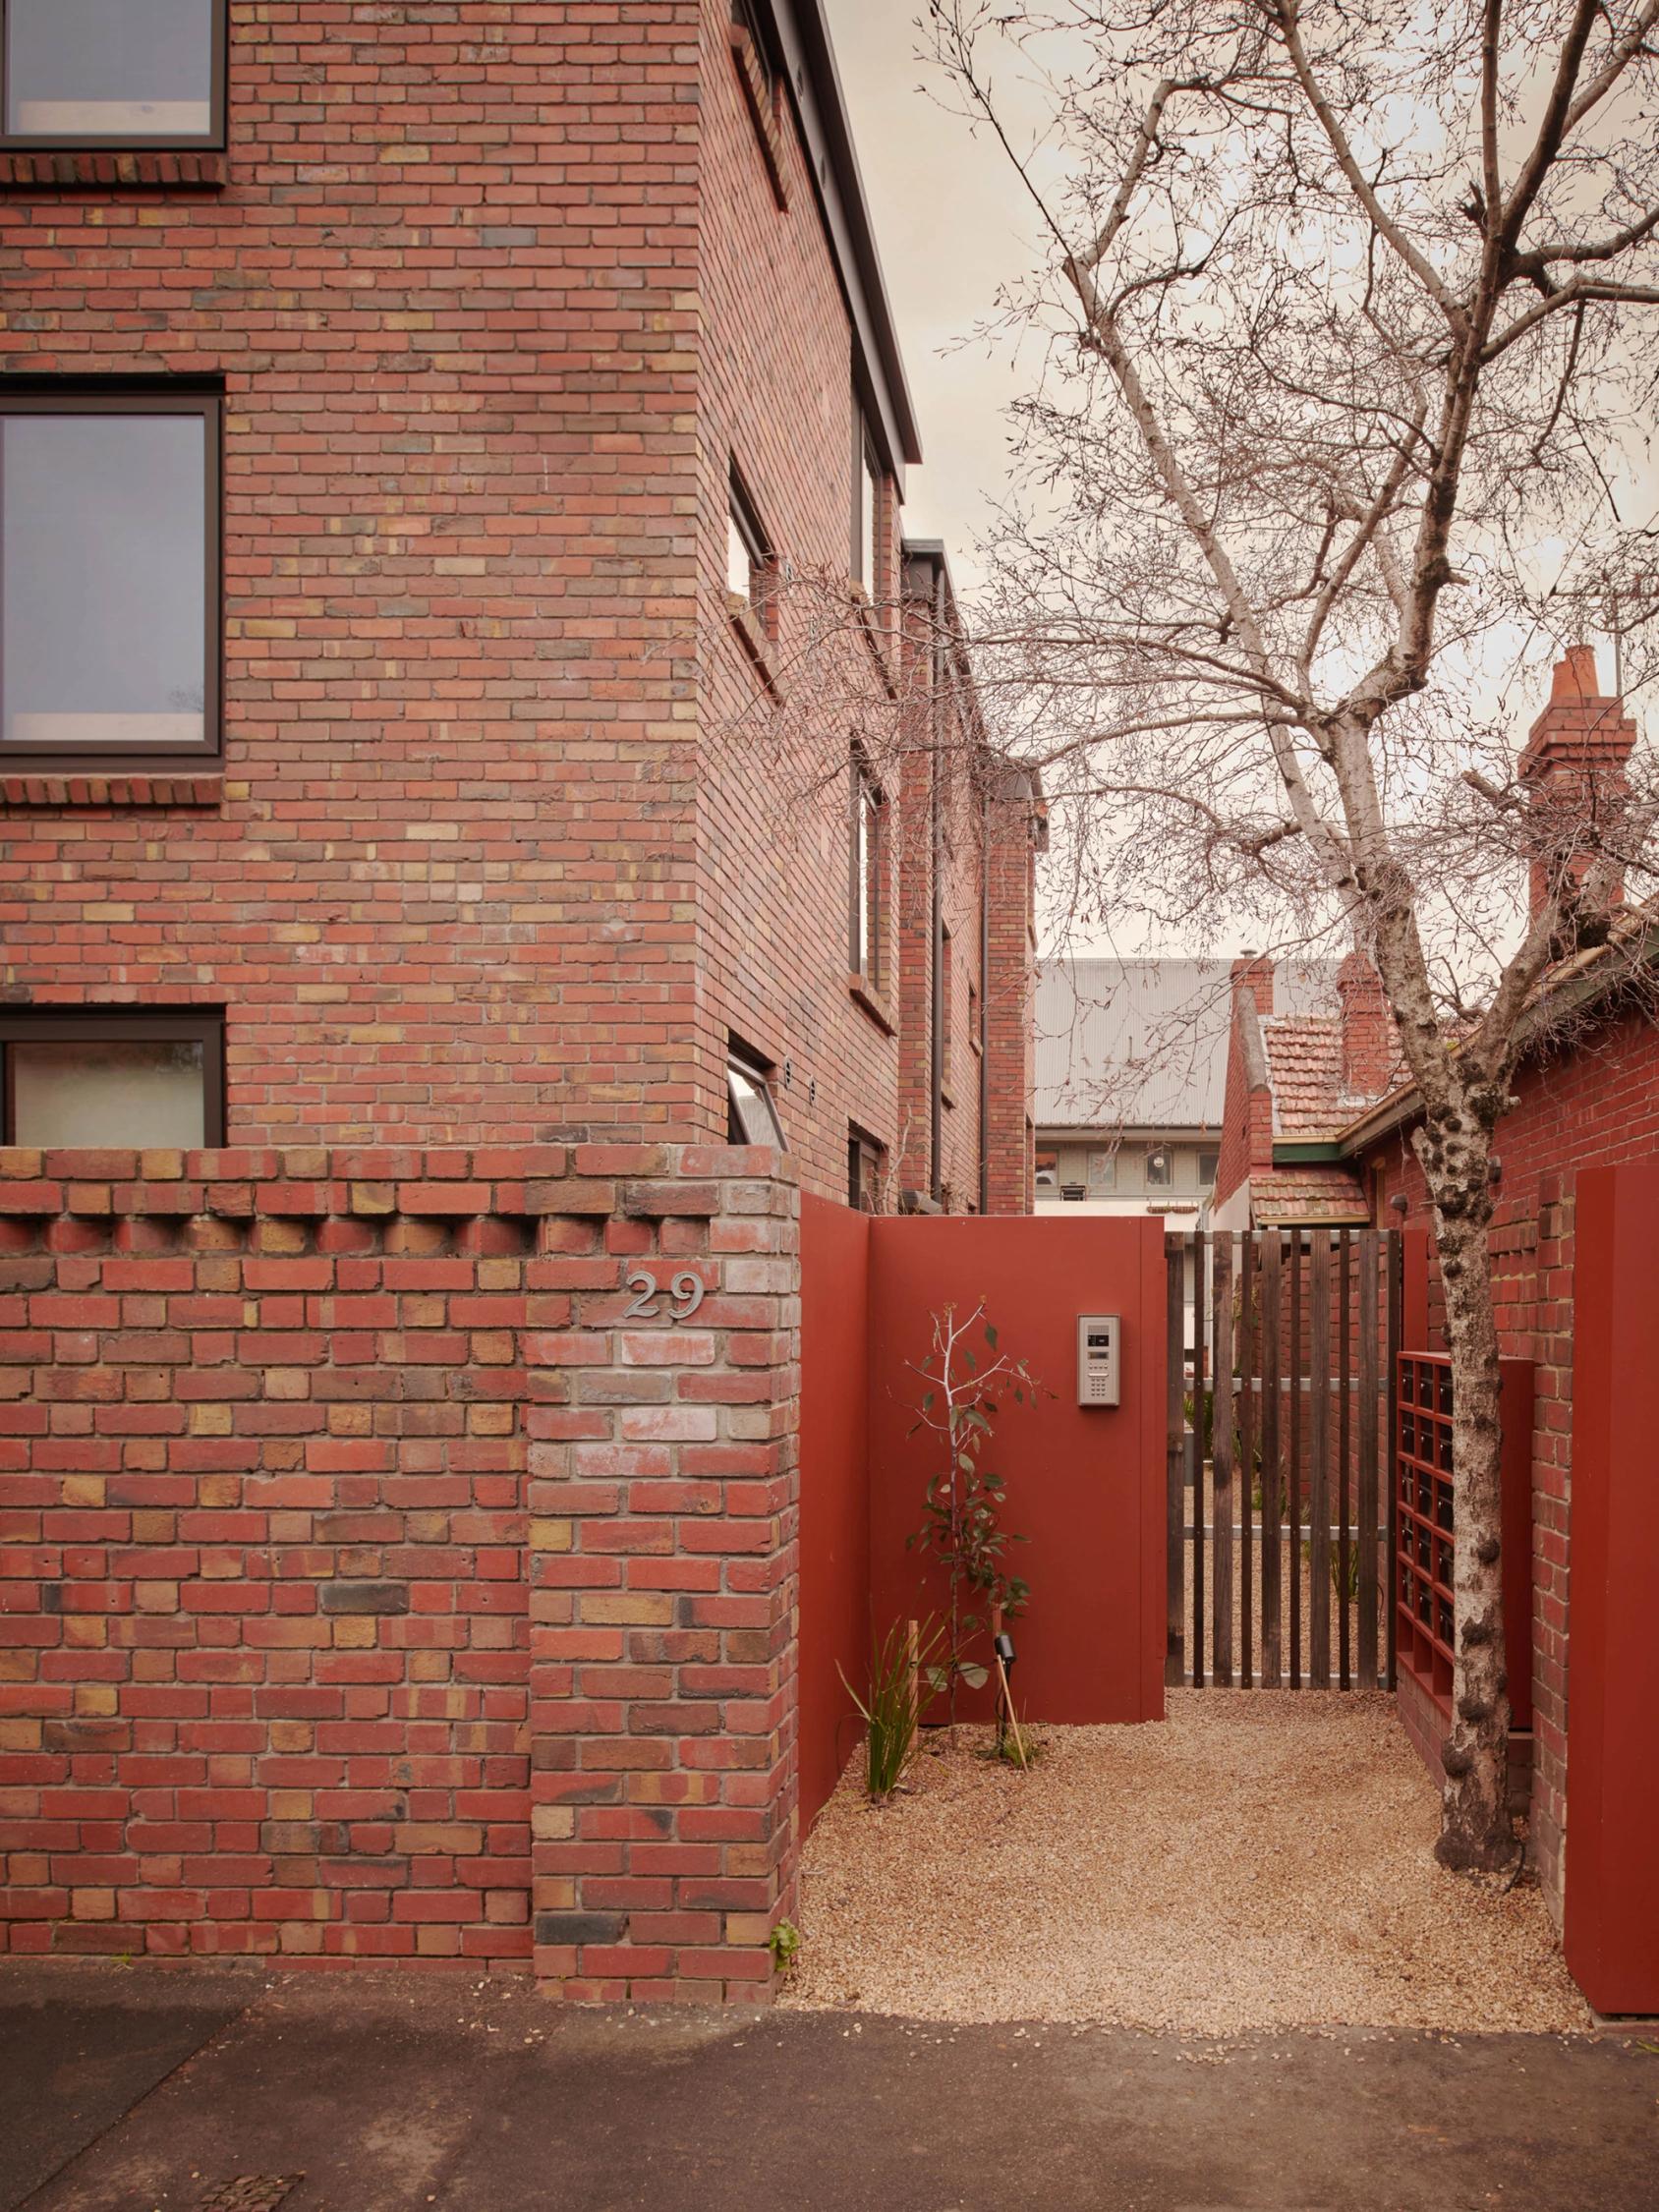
1014,1716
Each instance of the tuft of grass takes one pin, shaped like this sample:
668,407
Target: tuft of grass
785,1944
899,1675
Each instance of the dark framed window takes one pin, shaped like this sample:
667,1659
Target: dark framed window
745,16
91,74
749,555
867,889
867,481
867,1167
127,1077
110,593
1208,1163
751,1112
1159,1167
946,994
1048,1170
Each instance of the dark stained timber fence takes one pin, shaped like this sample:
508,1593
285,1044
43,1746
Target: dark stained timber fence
1283,1361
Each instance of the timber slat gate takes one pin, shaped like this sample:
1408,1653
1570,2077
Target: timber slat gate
1282,1362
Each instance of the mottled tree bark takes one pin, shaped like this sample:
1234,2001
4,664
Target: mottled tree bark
1454,1146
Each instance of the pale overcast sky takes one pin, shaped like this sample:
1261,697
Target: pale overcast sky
949,230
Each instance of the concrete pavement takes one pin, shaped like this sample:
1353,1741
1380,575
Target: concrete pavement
128,2088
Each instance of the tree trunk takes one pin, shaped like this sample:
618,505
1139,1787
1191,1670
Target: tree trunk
1476,1829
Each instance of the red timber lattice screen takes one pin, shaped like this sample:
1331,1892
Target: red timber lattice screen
1282,1371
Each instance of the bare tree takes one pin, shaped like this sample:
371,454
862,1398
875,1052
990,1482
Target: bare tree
1348,310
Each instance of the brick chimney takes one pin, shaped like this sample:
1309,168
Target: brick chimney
1573,767
1255,972
1369,1049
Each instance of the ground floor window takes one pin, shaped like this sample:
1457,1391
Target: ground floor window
128,1078
750,1114
867,1162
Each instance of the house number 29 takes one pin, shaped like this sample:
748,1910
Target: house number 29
685,1294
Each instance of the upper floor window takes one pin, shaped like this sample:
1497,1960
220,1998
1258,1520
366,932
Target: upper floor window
105,1076
1158,1168
1048,1170
113,73
869,867
867,510
748,554
1103,1171
109,576
1208,1163
745,16
946,994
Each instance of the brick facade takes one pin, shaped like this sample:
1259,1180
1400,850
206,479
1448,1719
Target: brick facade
377,1587
497,296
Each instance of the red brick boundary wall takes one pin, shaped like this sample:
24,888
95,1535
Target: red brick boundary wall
375,1585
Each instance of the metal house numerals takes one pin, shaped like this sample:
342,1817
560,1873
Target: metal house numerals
685,1294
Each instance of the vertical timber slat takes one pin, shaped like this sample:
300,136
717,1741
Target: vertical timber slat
1244,1473
1319,1463
1220,1453
1393,1254
1272,1256
1296,1395
1369,1384
1199,1295
1344,1460
1174,1661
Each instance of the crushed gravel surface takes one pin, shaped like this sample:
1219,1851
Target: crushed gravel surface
1261,1860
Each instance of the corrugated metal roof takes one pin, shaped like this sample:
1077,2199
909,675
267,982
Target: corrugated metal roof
1142,1043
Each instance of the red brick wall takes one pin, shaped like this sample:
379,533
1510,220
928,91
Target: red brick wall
443,886
1594,1106
375,1588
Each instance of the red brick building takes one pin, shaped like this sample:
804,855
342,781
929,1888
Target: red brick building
411,421
430,432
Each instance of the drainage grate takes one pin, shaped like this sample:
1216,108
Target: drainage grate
252,2192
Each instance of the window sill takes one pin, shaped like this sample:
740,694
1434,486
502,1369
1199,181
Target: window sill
753,638
762,111
946,1095
39,169
864,993
91,786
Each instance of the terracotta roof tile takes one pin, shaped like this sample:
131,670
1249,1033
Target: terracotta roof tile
1332,1195
1304,1057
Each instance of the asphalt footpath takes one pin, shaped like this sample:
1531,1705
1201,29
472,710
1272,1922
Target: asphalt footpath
148,2089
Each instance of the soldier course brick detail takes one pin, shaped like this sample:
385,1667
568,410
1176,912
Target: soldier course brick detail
377,1585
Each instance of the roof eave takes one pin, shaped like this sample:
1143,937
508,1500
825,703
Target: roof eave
814,86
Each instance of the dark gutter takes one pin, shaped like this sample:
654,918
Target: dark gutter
1297,1154
1571,995
815,85
984,999
936,840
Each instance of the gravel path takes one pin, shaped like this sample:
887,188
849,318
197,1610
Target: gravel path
1261,1860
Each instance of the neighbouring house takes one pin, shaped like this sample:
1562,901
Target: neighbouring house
1309,1047
420,1014
1131,1063
1586,1095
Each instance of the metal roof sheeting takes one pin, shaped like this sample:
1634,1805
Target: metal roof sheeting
1142,1043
